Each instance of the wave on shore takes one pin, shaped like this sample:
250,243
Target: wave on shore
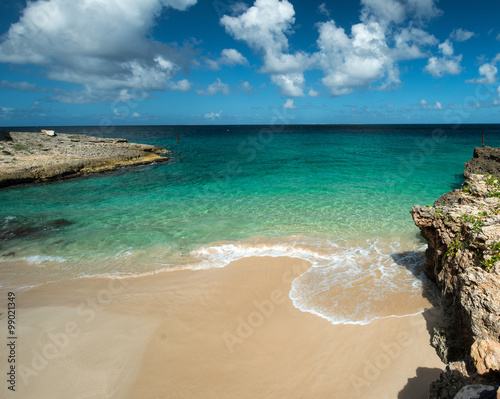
343,281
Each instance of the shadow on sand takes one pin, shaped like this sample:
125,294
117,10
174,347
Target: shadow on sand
418,387
414,262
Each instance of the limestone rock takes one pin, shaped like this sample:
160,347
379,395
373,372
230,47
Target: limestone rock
485,161
462,231
486,356
36,157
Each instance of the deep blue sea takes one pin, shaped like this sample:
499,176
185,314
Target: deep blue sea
338,196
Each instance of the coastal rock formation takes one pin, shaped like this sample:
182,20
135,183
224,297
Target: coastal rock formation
462,230
30,157
5,136
485,161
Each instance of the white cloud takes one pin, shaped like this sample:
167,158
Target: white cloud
447,64
409,43
289,104
90,95
461,35
20,86
215,88
313,93
384,10
246,87
357,60
103,45
489,73
232,57
370,53
6,110
367,55
425,105
182,85
446,48
397,11
291,84
213,115
212,64
498,37
264,27
136,115
323,9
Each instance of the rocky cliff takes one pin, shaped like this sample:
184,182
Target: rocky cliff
30,157
462,230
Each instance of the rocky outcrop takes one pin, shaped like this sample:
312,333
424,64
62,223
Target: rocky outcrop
462,230
5,136
31,157
485,161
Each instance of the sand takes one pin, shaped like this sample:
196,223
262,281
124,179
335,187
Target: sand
221,333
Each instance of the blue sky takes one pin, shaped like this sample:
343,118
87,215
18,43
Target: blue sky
124,62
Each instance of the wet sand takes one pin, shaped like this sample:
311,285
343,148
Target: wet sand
222,333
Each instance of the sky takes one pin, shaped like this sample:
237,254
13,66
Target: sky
191,62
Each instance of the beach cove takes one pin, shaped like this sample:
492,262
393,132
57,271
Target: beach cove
277,265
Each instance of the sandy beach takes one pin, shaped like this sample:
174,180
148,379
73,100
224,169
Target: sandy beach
231,332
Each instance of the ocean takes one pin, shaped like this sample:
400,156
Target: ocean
337,196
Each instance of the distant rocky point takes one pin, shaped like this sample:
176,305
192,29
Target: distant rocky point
462,230
485,161
34,157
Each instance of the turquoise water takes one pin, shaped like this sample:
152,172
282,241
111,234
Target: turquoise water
234,191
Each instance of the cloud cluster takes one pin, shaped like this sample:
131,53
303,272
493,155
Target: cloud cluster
102,45
461,35
369,54
215,88
356,60
447,63
230,57
425,105
213,115
264,27
20,86
488,72
105,47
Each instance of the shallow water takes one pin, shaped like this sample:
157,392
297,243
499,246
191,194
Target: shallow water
338,196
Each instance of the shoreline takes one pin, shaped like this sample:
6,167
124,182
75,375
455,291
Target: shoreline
385,282
225,332
37,157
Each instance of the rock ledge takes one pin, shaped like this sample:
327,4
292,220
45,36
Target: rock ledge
462,230
34,157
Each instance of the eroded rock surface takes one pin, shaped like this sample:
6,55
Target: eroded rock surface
462,230
30,157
